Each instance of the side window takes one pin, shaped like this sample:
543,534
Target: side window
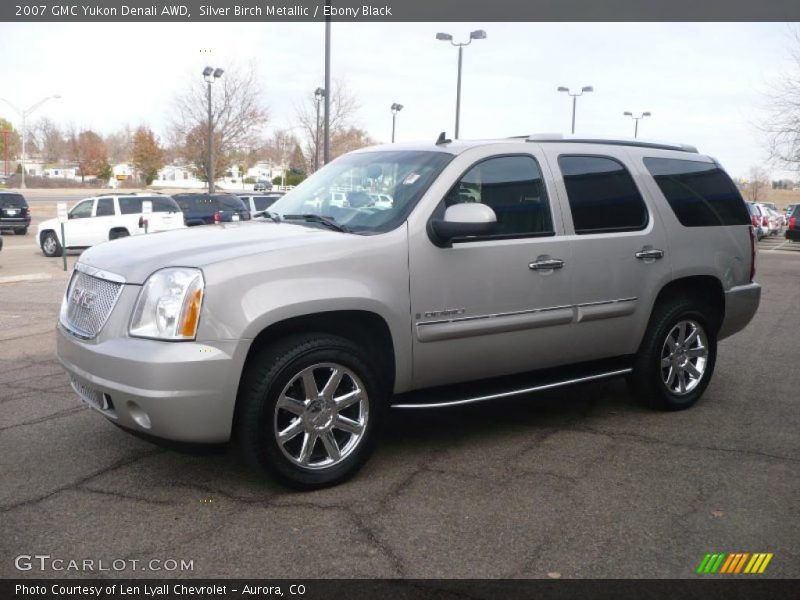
699,193
130,205
263,202
82,210
512,186
105,207
602,195
163,204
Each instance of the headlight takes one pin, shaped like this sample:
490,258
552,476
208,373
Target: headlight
168,306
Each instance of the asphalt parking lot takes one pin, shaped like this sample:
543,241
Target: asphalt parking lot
576,483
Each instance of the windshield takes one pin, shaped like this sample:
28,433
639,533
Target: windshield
346,189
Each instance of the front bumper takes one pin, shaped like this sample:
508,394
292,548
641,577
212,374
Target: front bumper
741,304
181,391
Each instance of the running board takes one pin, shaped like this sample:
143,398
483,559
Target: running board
466,399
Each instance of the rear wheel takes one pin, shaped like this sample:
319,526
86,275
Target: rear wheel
50,245
309,410
676,360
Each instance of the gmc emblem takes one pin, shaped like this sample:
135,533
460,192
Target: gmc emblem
83,298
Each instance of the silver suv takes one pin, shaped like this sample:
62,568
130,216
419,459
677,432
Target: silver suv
496,268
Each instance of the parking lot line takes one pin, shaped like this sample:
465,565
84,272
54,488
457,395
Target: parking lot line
26,277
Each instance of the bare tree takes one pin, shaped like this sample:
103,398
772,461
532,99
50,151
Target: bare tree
757,184
120,145
49,140
782,124
344,107
237,113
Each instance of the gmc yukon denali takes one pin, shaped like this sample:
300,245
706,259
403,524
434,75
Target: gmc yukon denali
496,268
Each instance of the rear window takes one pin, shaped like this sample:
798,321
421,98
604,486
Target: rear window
264,202
796,211
193,202
230,202
699,193
602,195
13,200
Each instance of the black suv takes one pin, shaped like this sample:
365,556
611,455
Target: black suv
793,224
14,212
206,209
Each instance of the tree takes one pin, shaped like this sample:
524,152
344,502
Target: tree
757,184
89,152
14,141
237,115
119,145
344,107
782,124
349,139
147,155
49,140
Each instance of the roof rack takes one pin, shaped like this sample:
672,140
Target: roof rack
557,137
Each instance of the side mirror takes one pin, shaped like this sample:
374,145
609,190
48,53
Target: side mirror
463,220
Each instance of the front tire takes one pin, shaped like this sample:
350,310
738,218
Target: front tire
676,359
51,247
309,410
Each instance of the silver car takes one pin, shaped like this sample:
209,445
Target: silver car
502,267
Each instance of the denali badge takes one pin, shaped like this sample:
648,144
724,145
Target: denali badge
450,312
83,298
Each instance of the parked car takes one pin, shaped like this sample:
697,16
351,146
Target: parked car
381,200
770,205
768,225
262,185
780,219
773,220
207,209
575,260
259,202
14,212
793,225
109,217
759,220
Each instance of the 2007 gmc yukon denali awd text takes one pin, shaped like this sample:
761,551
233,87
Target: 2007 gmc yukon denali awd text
497,268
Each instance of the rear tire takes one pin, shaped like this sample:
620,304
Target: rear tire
295,424
51,247
676,359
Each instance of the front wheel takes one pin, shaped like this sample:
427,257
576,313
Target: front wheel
309,410
676,360
50,245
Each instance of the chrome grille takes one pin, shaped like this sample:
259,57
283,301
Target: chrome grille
88,394
89,303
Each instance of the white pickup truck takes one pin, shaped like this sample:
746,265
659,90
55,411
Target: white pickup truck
102,218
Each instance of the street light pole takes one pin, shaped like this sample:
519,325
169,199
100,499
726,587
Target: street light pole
211,74
326,155
586,88
396,108
478,34
319,94
636,121
24,114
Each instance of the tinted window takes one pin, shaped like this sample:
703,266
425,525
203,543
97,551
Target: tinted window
105,207
602,195
130,205
264,202
161,204
796,211
699,193
12,200
230,202
512,186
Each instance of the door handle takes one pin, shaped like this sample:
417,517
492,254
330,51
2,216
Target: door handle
649,254
546,264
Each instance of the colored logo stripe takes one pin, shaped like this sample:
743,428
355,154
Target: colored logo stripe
732,563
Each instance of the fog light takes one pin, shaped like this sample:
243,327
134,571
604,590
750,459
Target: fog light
137,414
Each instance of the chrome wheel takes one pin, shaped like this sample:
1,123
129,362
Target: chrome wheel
684,357
49,245
321,416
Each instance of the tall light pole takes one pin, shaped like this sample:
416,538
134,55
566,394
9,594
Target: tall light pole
24,115
584,89
211,74
478,34
636,119
326,154
396,108
319,94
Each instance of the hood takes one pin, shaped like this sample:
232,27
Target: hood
136,257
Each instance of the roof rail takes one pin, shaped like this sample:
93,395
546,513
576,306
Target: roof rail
557,137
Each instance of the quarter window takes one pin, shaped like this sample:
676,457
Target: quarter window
602,195
513,188
699,193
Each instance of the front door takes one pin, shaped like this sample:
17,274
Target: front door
499,304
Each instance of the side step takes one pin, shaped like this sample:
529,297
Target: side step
507,387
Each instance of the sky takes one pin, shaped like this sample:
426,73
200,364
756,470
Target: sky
704,83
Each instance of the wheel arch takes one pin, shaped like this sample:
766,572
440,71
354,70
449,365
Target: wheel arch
704,289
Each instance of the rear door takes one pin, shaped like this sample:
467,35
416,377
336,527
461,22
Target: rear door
619,246
104,220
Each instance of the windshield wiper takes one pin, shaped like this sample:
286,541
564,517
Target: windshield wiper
269,214
312,218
